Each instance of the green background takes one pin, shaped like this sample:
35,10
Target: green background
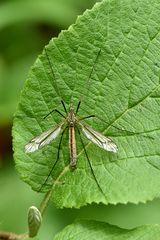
25,27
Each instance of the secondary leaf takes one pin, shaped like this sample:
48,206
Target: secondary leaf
103,231
123,91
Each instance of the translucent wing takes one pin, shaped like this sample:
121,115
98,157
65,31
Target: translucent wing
99,139
43,139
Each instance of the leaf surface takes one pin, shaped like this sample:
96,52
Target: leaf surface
102,231
110,59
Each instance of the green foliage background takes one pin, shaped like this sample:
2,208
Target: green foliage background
17,49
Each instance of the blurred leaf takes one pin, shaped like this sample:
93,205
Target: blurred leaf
99,230
11,83
123,90
16,44
57,12
17,54
12,204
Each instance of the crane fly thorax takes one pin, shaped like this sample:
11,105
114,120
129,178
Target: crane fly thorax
71,119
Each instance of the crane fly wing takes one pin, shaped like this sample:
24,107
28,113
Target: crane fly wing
43,139
99,139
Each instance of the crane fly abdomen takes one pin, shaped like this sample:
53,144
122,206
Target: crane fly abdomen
72,148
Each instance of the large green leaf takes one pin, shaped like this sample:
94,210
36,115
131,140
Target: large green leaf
103,231
123,91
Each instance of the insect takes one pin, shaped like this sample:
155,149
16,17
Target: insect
71,123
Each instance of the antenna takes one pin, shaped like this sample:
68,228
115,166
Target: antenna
52,71
87,84
89,77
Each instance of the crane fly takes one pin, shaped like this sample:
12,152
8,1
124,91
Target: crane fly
71,123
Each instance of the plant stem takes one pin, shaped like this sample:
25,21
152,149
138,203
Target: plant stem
12,236
47,196
45,202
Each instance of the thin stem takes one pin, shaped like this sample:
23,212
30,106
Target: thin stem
48,195
12,236
45,201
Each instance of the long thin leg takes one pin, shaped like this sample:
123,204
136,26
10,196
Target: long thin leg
88,81
90,165
54,110
90,116
79,103
58,154
123,130
52,71
64,106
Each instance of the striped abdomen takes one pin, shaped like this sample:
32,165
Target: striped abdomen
72,148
